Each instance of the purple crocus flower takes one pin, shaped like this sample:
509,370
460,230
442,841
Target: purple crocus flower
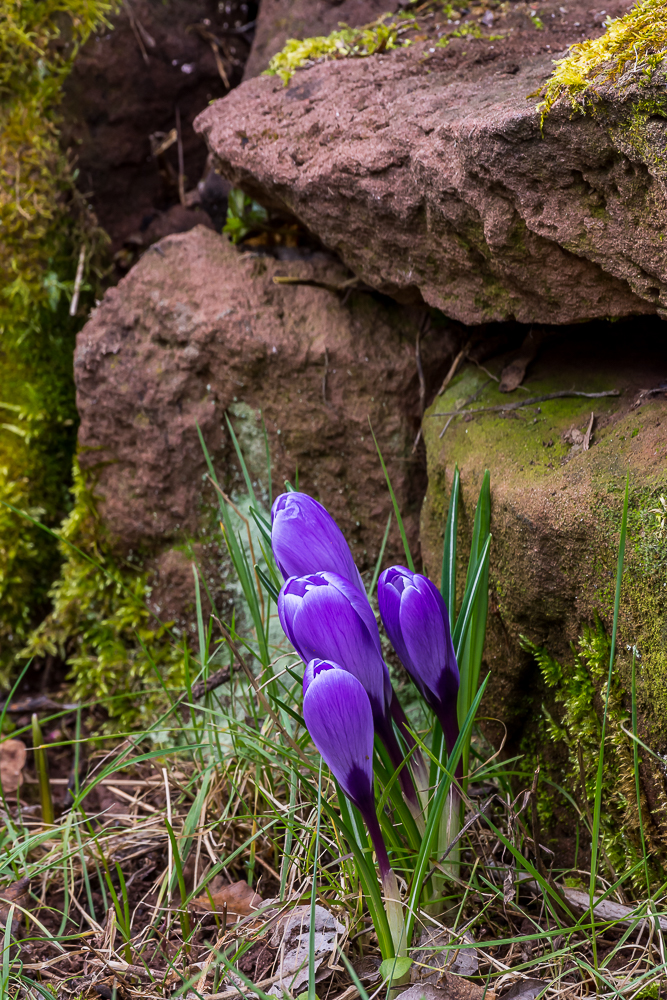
306,539
338,716
324,615
417,623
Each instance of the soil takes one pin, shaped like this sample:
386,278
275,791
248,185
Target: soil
128,88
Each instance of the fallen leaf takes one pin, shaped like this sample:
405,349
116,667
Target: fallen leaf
241,900
16,893
573,436
12,761
291,937
513,374
431,963
525,989
453,988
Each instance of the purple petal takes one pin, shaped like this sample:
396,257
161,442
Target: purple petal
338,716
306,539
326,624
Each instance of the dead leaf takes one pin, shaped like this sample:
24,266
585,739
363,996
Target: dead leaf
12,761
16,893
513,374
525,989
241,900
573,436
431,963
291,937
452,988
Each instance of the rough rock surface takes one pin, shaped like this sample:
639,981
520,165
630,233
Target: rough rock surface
125,87
278,20
198,329
427,173
556,511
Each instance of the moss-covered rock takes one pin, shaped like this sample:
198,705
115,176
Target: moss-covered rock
556,513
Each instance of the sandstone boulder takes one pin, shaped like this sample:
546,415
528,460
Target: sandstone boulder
198,330
556,514
426,171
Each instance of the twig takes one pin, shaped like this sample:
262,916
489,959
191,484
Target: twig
74,304
525,402
342,286
422,331
587,437
324,377
454,367
470,399
219,63
181,164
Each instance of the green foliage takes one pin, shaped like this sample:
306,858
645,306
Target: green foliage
637,40
379,36
468,30
243,215
44,223
101,625
579,689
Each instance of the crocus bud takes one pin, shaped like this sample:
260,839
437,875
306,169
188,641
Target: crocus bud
306,539
325,616
338,717
417,623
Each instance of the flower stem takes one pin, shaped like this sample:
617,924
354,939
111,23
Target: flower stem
392,897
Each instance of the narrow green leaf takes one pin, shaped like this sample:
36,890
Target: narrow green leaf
397,511
448,577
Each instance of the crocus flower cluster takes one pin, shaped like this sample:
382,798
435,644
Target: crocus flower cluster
348,695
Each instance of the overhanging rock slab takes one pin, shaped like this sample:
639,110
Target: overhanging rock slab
440,186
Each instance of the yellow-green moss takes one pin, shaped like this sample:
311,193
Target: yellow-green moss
379,36
579,689
638,40
118,654
44,223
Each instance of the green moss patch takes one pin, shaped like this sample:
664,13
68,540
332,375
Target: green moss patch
44,225
381,35
636,41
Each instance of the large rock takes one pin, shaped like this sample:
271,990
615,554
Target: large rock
279,20
426,170
197,330
556,515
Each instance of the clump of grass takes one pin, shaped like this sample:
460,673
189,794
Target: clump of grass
637,40
381,35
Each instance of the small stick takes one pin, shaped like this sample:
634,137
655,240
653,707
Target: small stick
525,402
74,304
324,377
587,437
181,164
454,367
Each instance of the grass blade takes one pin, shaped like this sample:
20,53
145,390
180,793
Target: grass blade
397,511
448,577
597,808
378,564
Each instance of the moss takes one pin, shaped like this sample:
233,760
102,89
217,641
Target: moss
100,624
44,223
580,686
555,521
380,35
637,41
